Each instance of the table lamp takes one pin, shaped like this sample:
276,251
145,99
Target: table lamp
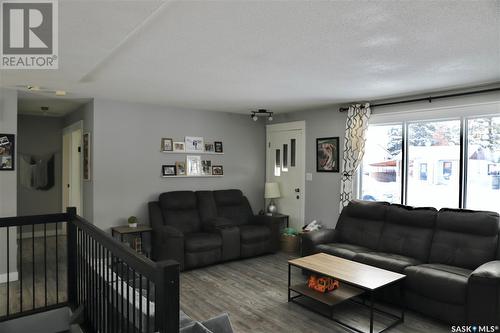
271,191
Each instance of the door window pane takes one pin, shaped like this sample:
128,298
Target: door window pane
483,164
381,169
285,157
434,163
277,163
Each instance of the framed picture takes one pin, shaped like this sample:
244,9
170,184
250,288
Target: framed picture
86,156
166,144
7,153
327,154
206,167
209,147
179,146
218,147
168,170
194,144
217,170
180,168
193,165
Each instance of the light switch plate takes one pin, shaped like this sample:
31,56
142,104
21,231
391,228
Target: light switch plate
309,176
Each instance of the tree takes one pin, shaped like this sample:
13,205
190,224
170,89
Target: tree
395,143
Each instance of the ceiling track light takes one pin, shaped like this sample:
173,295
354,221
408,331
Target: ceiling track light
261,113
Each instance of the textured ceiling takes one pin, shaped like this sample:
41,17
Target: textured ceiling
237,56
30,103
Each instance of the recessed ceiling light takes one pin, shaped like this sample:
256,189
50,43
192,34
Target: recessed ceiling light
60,93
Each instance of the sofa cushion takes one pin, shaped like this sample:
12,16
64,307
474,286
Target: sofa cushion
408,231
178,200
440,282
392,262
252,233
347,251
361,223
464,238
179,210
231,204
206,205
228,197
198,242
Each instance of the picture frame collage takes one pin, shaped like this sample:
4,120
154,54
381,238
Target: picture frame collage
193,165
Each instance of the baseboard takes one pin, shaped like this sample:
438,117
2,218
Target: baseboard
13,276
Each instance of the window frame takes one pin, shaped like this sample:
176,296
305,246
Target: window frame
463,158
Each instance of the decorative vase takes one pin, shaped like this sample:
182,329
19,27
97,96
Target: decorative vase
132,225
272,207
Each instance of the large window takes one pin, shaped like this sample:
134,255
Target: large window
444,163
433,163
381,175
483,163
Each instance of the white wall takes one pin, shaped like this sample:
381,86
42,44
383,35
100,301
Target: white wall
127,157
8,183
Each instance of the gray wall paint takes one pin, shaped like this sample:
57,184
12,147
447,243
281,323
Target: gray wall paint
85,114
323,192
40,136
8,179
127,157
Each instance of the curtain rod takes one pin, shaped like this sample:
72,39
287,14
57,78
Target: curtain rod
430,98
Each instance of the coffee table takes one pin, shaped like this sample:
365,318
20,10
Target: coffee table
355,279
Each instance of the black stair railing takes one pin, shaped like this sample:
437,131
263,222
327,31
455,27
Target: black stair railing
63,260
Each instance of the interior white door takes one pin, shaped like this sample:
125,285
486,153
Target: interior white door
285,165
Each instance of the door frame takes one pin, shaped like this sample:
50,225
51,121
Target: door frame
291,126
66,130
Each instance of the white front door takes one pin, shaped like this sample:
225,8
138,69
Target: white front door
285,165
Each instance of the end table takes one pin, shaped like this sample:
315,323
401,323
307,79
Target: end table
125,230
284,217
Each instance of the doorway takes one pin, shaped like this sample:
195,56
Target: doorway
285,165
72,166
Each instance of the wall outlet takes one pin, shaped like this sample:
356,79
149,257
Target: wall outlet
309,176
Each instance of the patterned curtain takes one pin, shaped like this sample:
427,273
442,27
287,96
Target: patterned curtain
354,148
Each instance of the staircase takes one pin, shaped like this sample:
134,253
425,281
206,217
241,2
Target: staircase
53,321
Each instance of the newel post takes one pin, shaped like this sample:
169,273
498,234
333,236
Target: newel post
167,297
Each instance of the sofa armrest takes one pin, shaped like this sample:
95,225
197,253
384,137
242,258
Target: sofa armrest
488,273
155,215
275,224
483,306
168,242
311,239
217,224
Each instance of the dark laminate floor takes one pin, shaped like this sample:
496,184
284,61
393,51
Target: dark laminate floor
254,293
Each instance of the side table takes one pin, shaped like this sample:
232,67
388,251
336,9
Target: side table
125,230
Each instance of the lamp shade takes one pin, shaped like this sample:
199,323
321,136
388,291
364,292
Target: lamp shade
272,191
